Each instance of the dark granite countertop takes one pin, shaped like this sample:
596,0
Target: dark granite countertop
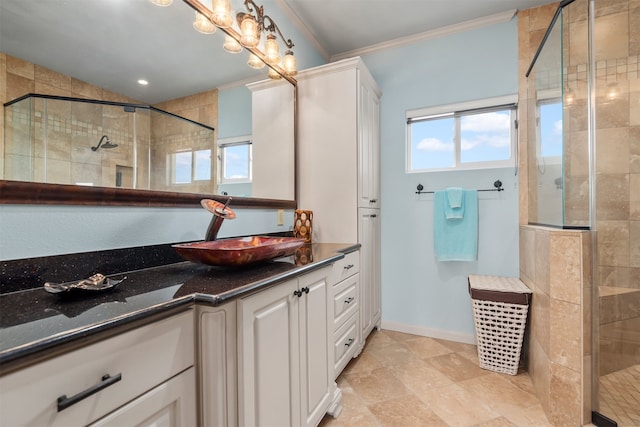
34,320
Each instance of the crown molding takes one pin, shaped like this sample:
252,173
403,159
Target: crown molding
431,34
297,22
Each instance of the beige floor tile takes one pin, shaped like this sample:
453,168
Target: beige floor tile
407,380
405,412
456,346
399,336
456,367
365,362
425,347
496,422
492,389
376,386
392,354
533,416
419,376
457,407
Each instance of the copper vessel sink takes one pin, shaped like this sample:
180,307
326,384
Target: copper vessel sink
238,251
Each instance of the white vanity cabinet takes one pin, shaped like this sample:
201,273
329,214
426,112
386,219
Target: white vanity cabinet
284,373
370,304
344,303
139,376
217,329
338,164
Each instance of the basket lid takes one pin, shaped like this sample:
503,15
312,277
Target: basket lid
498,288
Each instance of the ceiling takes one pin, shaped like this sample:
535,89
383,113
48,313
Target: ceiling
113,43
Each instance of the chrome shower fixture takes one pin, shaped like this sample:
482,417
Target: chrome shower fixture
107,143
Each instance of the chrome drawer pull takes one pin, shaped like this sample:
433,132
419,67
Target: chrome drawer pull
64,402
349,300
349,342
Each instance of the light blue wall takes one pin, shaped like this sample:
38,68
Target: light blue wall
417,291
234,112
33,231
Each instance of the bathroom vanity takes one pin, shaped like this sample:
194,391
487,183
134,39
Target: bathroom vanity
186,344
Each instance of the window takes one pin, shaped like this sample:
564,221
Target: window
550,127
235,160
462,136
188,166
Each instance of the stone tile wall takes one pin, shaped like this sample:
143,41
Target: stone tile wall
556,266
73,129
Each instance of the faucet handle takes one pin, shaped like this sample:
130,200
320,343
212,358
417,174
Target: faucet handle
218,209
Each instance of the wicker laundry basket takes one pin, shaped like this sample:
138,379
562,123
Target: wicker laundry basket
500,307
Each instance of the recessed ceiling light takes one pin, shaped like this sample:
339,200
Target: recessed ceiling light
143,82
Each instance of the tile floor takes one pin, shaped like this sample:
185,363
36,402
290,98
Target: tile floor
620,396
407,380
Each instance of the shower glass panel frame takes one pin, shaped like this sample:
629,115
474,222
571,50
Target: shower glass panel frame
559,173
54,139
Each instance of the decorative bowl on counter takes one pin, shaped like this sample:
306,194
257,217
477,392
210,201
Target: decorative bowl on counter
238,251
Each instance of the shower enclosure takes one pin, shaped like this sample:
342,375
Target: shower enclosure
583,163
62,140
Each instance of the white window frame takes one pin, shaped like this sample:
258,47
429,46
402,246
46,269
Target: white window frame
171,160
508,102
228,142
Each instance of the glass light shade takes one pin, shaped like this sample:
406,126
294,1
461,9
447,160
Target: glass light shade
203,25
221,15
250,37
255,62
289,64
274,75
162,3
272,50
231,45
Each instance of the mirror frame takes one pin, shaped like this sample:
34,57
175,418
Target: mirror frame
31,193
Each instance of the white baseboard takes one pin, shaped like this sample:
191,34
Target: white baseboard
429,332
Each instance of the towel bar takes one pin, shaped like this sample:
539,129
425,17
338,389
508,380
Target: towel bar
497,184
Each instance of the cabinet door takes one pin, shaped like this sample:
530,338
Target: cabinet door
217,355
315,348
369,234
268,346
171,404
368,147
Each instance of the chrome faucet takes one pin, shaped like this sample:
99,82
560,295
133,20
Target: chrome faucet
220,213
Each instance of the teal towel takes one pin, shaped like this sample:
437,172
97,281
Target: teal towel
454,206
455,239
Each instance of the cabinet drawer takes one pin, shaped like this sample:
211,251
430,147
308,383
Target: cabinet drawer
345,267
142,358
346,299
345,343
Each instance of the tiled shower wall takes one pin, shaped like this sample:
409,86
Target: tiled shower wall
555,265
19,77
617,54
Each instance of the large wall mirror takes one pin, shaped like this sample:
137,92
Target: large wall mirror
111,45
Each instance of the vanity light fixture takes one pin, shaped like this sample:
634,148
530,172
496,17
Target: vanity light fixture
162,3
221,13
255,62
231,45
247,31
202,24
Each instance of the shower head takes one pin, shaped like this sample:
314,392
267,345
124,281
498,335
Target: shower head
107,143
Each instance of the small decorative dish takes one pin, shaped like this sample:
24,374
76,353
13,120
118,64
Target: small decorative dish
94,284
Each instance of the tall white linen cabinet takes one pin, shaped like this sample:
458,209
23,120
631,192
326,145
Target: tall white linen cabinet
339,168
